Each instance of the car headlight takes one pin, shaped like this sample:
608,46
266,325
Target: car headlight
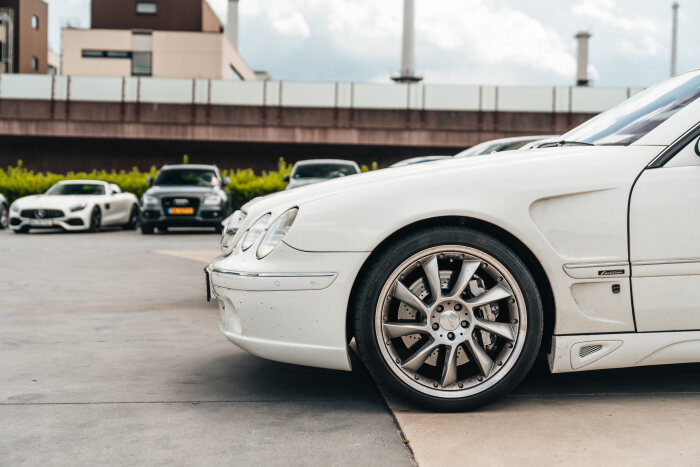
276,232
78,207
148,199
212,200
229,239
14,207
255,231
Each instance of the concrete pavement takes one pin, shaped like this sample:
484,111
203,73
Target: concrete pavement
111,356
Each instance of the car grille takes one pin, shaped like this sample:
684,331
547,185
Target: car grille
42,213
180,202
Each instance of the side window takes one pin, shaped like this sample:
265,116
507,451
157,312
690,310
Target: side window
689,155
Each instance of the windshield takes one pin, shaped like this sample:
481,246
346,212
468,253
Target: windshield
637,116
187,177
323,171
63,189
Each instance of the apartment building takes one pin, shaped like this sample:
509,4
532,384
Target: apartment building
160,38
23,36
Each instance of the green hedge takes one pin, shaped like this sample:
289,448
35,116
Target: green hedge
17,181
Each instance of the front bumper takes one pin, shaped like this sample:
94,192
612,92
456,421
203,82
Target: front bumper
295,314
154,216
74,222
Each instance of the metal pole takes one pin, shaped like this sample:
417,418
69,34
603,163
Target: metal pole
407,74
674,38
409,8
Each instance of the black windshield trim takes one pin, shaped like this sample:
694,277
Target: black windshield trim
675,147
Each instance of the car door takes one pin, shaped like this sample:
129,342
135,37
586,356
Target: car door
114,206
664,231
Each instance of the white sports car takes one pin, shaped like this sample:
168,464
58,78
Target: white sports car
76,205
451,280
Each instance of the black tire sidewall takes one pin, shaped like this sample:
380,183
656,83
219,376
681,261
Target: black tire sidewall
95,226
373,280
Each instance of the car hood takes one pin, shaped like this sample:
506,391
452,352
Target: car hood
356,213
53,202
414,174
181,190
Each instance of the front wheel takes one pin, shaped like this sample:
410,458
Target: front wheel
4,216
134,219
95,220
448,317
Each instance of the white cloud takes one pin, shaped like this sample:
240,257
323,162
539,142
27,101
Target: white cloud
641,33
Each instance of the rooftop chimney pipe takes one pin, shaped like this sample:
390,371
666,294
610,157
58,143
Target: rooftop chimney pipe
232,23
674,39
582,59
407,74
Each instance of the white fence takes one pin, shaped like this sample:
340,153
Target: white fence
559,99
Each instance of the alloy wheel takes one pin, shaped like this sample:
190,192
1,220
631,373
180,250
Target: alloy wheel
450,321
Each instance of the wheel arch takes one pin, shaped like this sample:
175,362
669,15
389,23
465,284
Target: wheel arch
524,253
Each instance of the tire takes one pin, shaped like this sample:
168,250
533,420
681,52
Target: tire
218,228
146,229
458,352
4,216
95,220
134,219
22,230
163,229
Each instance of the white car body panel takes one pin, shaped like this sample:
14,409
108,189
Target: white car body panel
569,206
115,207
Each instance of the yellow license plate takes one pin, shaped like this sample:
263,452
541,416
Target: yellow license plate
182,211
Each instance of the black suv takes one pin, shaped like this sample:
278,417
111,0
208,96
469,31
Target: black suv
185,196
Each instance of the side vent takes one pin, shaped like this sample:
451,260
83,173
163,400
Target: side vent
585,353
586,350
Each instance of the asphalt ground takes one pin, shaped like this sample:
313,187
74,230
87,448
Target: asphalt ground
110,355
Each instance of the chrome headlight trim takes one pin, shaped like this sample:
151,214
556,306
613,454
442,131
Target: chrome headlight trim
78,207
274,235
212,200
255,231
230,235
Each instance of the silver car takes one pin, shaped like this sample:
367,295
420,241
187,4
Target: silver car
318,170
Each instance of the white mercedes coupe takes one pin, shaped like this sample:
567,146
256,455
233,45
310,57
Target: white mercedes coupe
76,205
451,279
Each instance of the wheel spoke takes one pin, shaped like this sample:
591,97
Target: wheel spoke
449,369
465,275
403,329
408,297
496,293
494,327
415,361
481,358
432,272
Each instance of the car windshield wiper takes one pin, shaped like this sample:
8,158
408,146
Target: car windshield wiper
558,144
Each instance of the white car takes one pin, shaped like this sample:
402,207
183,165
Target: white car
502,144
317,170
76,205
451,280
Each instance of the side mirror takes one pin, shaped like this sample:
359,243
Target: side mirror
286,177
149,181
226,181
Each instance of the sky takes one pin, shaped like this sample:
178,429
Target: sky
508,42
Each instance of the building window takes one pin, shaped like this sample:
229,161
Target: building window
146,8
86,53
52,70
35,64
35,22
141,63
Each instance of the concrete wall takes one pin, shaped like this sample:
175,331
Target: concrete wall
231,59
75,40
187,55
